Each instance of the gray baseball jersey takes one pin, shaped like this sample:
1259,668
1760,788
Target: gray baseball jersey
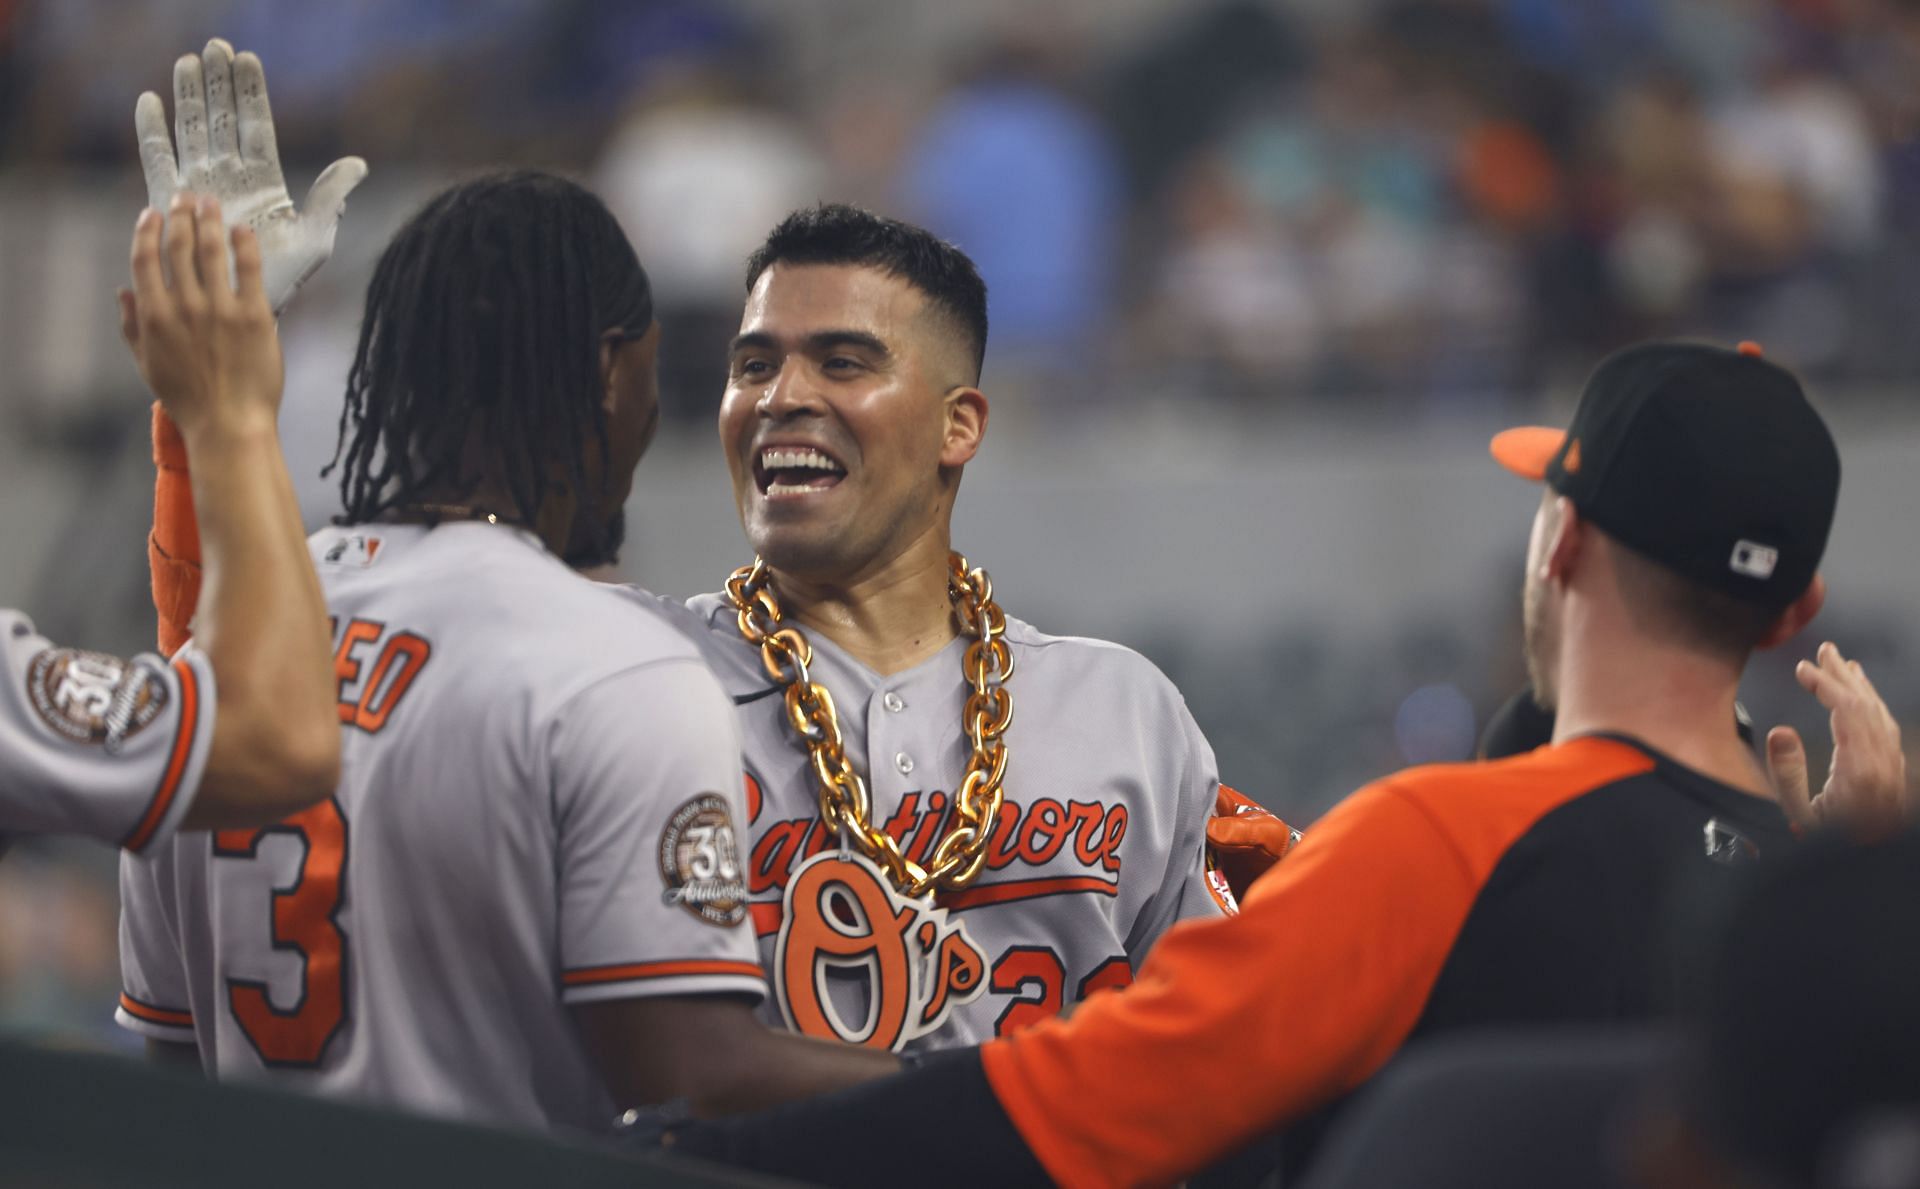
92,744
539,786
1096,851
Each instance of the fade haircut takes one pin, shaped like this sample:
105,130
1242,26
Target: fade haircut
479,352
835,233
1682,613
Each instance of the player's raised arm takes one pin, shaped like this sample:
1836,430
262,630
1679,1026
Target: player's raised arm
226,147
207,348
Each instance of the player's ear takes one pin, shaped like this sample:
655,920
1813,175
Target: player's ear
625,356
966,425
1568,543
1798,614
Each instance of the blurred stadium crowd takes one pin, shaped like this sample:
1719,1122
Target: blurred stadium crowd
1405,199
1325,211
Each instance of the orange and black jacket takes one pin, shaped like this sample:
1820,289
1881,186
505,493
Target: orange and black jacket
1535,890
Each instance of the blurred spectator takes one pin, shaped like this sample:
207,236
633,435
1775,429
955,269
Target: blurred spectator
697,173
1014,171
86,60
1810,133
1233,288
1186,83
11,70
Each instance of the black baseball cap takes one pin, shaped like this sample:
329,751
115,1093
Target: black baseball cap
1708,461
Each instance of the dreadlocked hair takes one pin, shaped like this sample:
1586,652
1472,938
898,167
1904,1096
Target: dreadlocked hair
479,353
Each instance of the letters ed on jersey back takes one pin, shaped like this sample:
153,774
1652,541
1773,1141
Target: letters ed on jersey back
375,666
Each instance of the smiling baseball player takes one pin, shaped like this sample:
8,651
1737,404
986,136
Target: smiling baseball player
959,825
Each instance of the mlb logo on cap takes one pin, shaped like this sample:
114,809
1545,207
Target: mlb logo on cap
1754,560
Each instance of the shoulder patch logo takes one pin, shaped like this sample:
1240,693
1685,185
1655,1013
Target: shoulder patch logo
93,698
700,862
358,550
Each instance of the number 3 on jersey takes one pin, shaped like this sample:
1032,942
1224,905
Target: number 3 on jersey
303,923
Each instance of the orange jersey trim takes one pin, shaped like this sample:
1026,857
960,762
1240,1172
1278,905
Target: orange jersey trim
588,976
176,763
767,914
155,1015
1251,1021
1028,889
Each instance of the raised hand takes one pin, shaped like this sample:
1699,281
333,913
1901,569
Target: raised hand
224,147
1866,787
206,347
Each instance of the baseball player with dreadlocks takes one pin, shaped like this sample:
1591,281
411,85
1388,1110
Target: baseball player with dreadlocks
524,902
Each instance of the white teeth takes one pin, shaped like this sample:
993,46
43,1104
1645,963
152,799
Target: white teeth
793,489
776,458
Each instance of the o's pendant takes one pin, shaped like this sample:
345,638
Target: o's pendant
909,960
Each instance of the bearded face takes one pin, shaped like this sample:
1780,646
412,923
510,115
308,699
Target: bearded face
1539,612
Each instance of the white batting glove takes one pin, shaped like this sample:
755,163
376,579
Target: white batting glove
227,149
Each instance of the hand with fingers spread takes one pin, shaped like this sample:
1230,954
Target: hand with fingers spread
207,347
226,148
209,350
1866,787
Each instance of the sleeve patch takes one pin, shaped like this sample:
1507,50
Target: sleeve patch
92,698
701,864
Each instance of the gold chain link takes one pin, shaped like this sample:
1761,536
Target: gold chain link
844,804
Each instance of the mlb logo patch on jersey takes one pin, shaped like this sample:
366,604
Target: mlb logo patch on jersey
93,698
359,550
1728,846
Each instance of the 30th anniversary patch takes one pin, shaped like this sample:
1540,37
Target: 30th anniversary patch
93,698
700,862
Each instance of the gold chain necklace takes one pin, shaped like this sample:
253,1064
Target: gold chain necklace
844,804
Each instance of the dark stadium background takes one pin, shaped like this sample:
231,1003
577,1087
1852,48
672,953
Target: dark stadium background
1265,277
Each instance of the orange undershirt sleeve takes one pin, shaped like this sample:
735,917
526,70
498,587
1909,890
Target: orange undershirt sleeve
1238,1023
173,547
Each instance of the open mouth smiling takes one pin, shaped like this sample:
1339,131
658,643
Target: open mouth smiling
795,471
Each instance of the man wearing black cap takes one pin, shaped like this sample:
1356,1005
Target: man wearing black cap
1684,517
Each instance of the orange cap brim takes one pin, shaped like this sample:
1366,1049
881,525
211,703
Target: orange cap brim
1526,451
